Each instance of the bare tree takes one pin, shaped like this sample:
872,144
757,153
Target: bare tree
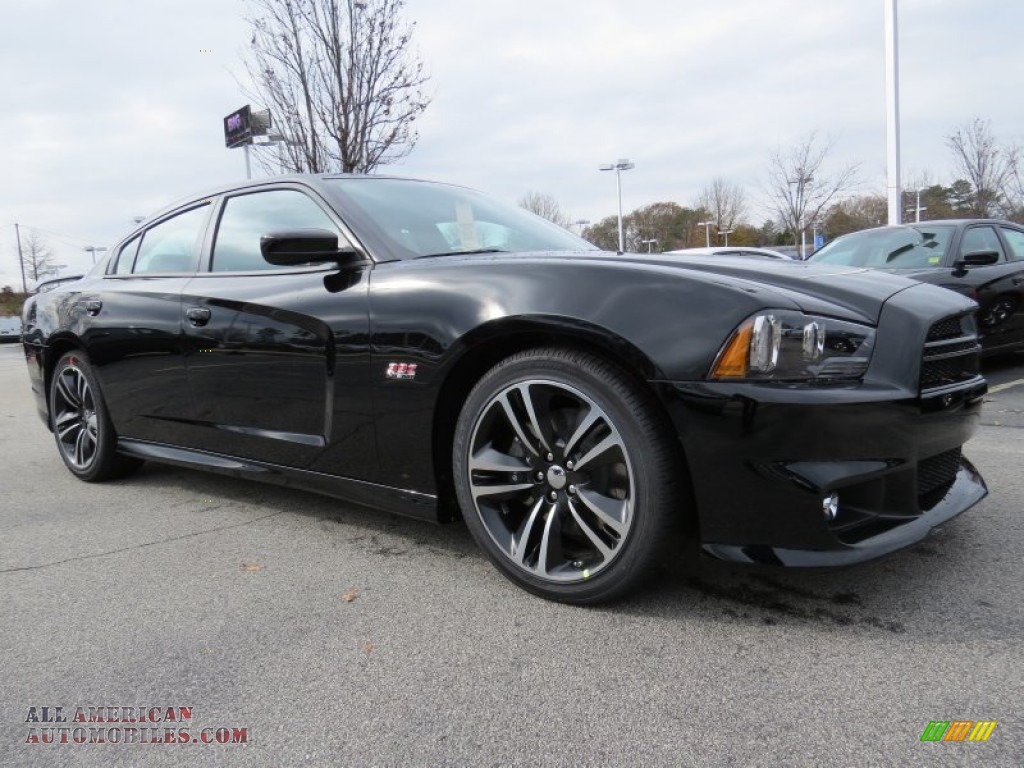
798,186
340,81
545,206
727,203
38,258
989,167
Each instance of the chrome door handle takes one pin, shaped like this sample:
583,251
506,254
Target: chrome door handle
93,307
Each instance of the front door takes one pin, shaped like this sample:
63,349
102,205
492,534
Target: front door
277,359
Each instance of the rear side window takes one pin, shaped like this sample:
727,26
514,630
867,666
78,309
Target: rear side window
246,218
1015,239
172,245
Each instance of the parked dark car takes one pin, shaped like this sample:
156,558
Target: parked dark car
980,258
423,349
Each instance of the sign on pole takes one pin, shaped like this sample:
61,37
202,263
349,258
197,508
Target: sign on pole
238,128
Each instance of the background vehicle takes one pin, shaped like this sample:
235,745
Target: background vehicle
728,250
979,258
421,348
10,328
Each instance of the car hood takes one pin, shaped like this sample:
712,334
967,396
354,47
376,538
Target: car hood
848,292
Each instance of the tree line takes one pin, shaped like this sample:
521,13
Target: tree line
806,195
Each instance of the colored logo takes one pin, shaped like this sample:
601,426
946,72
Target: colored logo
958,730
401,371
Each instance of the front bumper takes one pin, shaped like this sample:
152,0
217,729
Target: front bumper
764,455
967,490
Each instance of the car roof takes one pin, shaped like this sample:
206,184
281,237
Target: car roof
314,180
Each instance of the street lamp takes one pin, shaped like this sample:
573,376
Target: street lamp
801,180
619,166
94,249
649,243
918,208
725,233
707,231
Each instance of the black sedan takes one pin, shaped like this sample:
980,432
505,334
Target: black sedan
423,349
980,258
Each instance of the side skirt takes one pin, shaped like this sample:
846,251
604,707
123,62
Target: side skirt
422,506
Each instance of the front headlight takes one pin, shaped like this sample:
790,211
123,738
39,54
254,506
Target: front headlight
783,345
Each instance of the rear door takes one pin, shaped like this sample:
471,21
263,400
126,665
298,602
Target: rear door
277,358
133,326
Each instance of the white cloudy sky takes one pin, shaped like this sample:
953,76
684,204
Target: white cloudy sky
110,109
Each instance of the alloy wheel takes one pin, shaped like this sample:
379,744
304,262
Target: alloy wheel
551,480
75,419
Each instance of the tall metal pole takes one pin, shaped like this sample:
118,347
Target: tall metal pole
21,261
918,208
619,166
892,113
618,189
707,232
248,167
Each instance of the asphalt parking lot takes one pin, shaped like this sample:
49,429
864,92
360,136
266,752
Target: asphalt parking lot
335,635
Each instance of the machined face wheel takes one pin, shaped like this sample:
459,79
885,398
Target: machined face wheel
551,480
75,420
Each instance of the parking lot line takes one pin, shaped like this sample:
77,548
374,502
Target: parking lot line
1007,385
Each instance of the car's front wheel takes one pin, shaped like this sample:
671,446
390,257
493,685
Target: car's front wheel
566,475
85,437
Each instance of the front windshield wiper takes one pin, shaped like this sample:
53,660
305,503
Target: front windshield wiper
463,253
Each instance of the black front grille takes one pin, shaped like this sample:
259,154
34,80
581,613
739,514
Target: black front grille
939,373
950,328
951,353
936,474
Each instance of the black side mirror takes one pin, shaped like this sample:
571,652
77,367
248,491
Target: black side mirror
304,246
974,259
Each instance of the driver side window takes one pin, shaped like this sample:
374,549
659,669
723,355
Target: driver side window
248,217
981,239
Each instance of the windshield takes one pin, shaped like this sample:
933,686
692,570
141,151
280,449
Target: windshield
416,218
889,248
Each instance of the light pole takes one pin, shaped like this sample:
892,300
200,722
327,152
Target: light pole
725,233
918,208
649,243
892,113
620,165
801,181
707,231
94,249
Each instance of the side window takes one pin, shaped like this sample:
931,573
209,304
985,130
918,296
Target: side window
126,257
171,246
246,218
1015,239
981,239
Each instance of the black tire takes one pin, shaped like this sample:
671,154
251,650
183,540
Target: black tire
583,512
85,438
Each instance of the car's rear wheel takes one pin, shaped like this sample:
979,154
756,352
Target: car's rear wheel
85,437
567,477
